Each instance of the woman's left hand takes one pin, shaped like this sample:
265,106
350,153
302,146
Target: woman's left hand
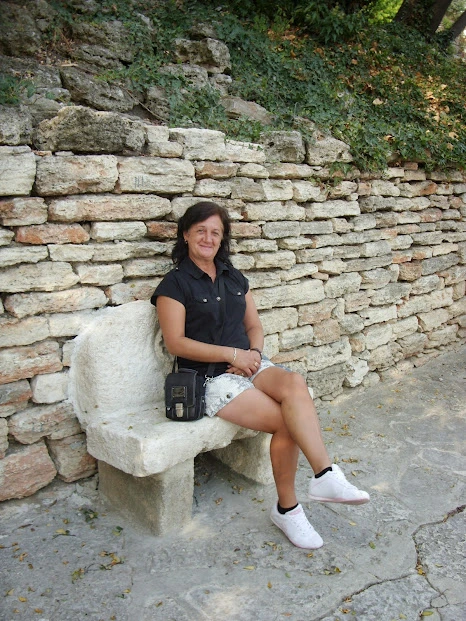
251,362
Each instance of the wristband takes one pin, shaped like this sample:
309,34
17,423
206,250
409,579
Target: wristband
258,351
234,357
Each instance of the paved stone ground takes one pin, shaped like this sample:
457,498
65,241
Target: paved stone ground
64,556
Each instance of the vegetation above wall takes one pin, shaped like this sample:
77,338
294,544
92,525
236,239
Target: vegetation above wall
380,87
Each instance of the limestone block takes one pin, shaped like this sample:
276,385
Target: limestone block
50,387
385,356
108,207
363,222
428,238
14,332
40,277
24,470
67,351
289,171
158,143
14,397
357,342
127,231
326,240
375,249
17,254
357,371
18,171
276,230
289,295
338,286
160,503
326,150
100,275
380,187
263,279
209,53
392,293
421,188
297,272
158,266
71,458
284,146
95,93
378,314
406,217
249,457
401,242
283,259
404,327
457,308
23,304
246,189
245,230
256,245
459,290
161,230
18,363
255,171
327,381
70,252
371,204
378,335
444,249
279,319
276,189
23,211
317,227
433,319
356,301
307,191
15,125
273,211
296,337
314,313
243,262
5,237
83,130
237,108
294,243
52,234
3,437
70,324
35,423
75,174
271,346
122,293
412,344
200,144
155,174
351,323
237,151
425,303
314,255
318,358
375,279
455,274
446,335
326,331
410,271
333,209
212,188
344,188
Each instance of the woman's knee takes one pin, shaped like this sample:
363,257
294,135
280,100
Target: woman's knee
294,384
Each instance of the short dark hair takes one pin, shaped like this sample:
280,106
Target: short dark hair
199,213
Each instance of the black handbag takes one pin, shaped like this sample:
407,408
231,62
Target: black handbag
185,388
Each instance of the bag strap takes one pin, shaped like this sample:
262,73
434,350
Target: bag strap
218,336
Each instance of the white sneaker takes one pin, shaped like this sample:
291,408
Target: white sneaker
296,527
333,487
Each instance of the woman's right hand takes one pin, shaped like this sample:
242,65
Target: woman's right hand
247,362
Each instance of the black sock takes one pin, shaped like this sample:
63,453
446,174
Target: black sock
282,511
329,469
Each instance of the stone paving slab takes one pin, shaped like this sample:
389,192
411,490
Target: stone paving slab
65,556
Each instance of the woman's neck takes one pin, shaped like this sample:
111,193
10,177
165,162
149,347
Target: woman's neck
208,267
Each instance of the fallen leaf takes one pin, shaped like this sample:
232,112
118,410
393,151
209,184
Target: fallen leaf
269,585
249,567
372,545
218,501
328,428
377,102
23,599
427,613
352,523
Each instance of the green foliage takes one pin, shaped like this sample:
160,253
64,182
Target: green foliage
376,85
12,88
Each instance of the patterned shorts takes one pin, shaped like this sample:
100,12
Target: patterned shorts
222,389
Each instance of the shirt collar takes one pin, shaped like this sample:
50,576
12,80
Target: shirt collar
190,267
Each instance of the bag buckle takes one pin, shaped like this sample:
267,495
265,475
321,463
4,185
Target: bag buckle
179,410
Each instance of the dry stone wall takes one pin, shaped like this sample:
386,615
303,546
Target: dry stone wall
355,277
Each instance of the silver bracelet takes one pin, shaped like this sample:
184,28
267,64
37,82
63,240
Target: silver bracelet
234,356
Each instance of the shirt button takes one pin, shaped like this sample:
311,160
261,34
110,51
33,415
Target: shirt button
239,293
218,299
204,300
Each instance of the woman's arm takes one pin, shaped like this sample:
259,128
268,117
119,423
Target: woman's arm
172,316
252,323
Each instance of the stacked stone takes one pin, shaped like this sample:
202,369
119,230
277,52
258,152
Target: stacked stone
355,277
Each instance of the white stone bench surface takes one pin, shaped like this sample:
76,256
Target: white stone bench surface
117,376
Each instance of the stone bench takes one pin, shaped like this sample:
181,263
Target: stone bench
146,462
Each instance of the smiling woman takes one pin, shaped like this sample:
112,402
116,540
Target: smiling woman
201,329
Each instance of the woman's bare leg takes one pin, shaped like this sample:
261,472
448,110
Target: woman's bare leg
255,410
298,412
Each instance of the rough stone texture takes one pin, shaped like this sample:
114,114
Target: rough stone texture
71,458
209,53
18,170
32,424
284,146
98,94
323,150
40,277
69,174
25,470
17,363
23,211
237,108
83,130
14,397
153,174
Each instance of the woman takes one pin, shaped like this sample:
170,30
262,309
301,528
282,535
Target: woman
247,389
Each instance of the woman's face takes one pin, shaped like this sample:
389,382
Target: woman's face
204,239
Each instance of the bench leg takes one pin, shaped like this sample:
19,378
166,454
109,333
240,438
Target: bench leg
249,457
160,502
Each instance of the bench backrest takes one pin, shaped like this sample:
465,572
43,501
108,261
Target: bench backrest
119,363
